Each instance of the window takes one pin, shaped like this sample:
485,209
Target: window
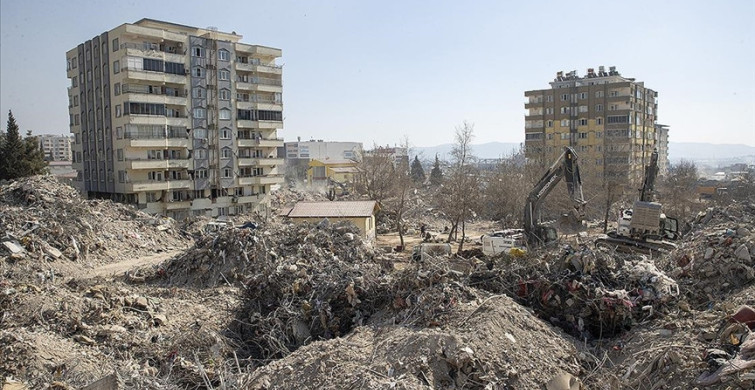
227,172
564,123
565,136
599,121
225,153
583,122
117,89
74,81
155,176
224,55
119,153
118,111
549,110
198,93
225,134
122,177
198,72
599,94
550,124
598,134
199,113
225,95
613,93
583,135
200,174
224,75
116,67
225,114
583,95
197,52
175,68
564,97
76,101
582,108
599,107
200,133
618,119
549,98
115,45
564,110
612,107
151,197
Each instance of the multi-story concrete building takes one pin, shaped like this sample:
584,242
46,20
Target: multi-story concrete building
607,118
176,119
56,147
321,150
661,141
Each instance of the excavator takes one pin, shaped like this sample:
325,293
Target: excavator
565,167
643,228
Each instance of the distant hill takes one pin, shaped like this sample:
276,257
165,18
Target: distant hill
487,150
698,152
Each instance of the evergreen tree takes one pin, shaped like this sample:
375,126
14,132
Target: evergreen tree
19,157
436,175
417,173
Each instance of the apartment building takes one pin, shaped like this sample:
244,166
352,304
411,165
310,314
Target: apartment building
661,141
55,147
178,120
321,150
610,120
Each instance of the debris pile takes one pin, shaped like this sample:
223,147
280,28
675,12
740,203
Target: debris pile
589,294
717,257
44,219
490,343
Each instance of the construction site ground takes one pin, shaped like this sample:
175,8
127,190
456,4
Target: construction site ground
142,302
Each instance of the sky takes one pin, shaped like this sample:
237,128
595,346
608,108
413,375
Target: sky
379,71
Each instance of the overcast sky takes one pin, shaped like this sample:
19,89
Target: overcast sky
374,71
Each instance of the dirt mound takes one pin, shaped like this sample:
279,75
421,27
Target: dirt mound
494,343
47,221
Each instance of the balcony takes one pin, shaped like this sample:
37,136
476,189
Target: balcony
136,163
260,51
260,161
151,185
261,84
139,32
169,53
259,103
261,180
177,204
259,68
248,199
248,124
149,75
138,119
263,143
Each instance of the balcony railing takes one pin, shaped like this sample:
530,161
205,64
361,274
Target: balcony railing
261,81
169,133
153,47
152,90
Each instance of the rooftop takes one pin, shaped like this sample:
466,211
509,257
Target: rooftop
333,209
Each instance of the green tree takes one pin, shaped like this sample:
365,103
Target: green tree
20,157
436,175
417,173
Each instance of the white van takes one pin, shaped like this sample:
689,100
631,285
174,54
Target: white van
503,241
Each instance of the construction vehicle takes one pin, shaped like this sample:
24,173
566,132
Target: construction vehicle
509,241
643,228
565,167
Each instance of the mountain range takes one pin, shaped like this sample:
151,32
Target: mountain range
704,153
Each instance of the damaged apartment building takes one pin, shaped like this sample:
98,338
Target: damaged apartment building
610,120
177,120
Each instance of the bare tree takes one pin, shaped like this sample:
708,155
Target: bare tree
401,184
679,190
459,196
376,173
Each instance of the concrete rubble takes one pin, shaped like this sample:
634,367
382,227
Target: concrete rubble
260,303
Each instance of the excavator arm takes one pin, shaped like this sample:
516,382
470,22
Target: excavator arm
565,167
651,173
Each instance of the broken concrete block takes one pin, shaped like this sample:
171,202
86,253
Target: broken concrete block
160,319
708,254
742,253
13,247
109,382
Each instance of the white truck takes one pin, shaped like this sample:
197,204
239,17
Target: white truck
511,241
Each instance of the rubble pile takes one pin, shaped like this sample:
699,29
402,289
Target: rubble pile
44,219
80,331
717,257
491,343
589,294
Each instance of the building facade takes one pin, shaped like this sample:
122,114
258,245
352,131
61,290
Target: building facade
176,119
661,139
55,147
607,118
321,150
